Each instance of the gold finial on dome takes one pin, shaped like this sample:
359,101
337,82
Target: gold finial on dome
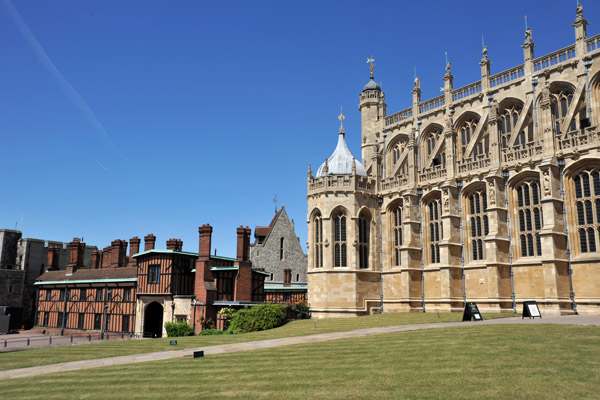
370,61
341,118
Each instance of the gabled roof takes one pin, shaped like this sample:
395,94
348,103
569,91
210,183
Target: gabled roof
266,230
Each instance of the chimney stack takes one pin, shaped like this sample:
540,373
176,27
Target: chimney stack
174,244
149,242
118,253
95,259
53,256
105,263
243,243
205,232
76,252
134,248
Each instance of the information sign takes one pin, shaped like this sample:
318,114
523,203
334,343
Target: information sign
531,310
471,312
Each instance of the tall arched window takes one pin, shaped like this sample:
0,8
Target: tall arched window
529,218
281,249
467,129
435,228
397,229
561,101
363,240
318,241
339,240
478,224
397,150
587,206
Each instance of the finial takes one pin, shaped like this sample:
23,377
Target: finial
371,61
341,118
482,42
526,27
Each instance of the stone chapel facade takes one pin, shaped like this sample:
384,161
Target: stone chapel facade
489,193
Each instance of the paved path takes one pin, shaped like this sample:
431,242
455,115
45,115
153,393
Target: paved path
35,340
265,344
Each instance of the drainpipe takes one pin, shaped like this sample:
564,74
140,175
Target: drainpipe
104,296
62,328
459,186
561,164
420,194
379,204
505,175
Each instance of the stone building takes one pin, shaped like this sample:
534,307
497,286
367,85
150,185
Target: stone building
488,193
277,249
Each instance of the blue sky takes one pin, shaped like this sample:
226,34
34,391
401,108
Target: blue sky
123,118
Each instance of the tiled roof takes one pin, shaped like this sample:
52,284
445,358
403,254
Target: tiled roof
89,274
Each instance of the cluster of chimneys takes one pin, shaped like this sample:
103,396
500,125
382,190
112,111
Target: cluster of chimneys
115,255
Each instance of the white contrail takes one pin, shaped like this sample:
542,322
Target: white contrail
62,81
100,164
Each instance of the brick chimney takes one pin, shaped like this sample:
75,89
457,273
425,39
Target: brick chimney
243,283
106,257
53,256
95,259
118,253
76,252
287,277
149,242
174,244
205,232
134,248
204,281
243,243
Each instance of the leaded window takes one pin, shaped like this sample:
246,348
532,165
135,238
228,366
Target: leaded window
529,218
154,273
435,228
339,240
467,130
363,241
478,224
397,227
587,206
318,231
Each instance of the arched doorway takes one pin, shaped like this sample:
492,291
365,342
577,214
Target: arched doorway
153,320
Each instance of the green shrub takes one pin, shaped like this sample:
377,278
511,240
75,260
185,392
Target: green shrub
175,329
258,318
301,308
206,332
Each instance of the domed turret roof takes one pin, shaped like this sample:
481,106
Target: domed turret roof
372,85
340,162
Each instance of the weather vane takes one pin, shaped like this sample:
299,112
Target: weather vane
341,118
370,61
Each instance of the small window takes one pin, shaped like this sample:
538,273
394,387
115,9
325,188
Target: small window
154,273
82,295
281,249
127,294
61,296
125,324
99,296
80,320
297,277
97,321
59,320
110,294
48,294
46,318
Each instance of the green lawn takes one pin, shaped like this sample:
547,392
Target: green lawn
468,362
31,358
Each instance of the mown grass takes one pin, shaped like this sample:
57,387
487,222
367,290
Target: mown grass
467,362
35,357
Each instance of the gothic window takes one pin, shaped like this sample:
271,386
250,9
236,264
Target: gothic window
435,229
318,241
397,151
478,224
508,121
560,106
587,206
529,218
363,240
397,234
339,240
467,129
